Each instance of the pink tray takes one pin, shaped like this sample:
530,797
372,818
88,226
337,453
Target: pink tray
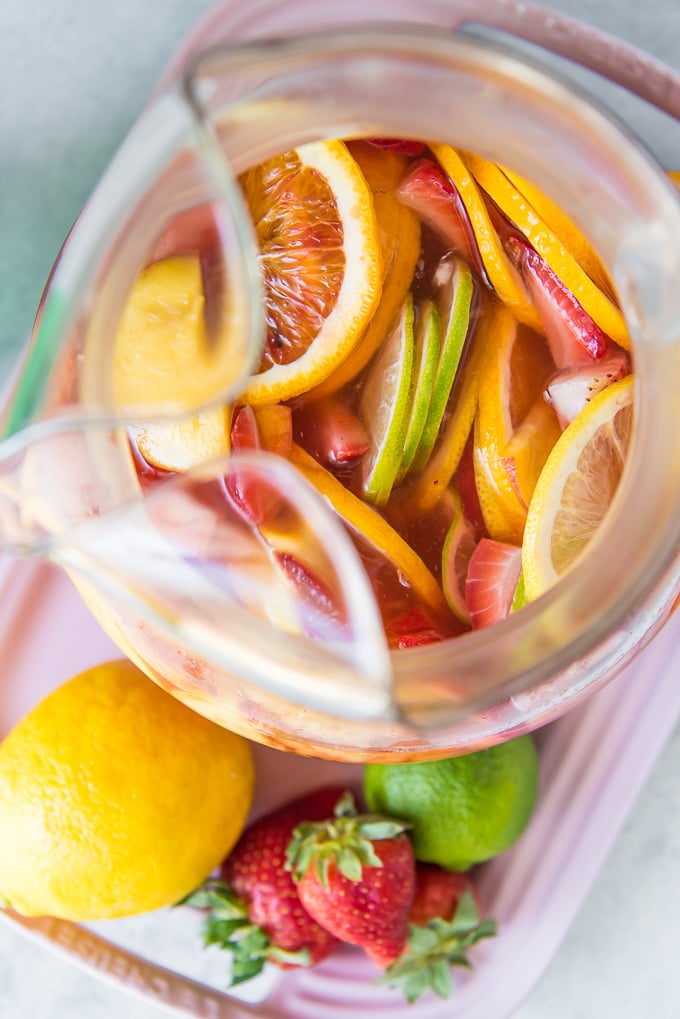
594,762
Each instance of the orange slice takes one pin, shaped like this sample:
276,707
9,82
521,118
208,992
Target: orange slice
563,227
515,429
321,263
502,276
371,526
549,246
399,236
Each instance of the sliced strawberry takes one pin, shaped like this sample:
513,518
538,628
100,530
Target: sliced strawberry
245,491
491,581
332,433
428,191
571,389
572,335
466,487
413,629
408,148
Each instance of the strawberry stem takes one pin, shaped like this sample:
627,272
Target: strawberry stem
432,950
344,841
228,926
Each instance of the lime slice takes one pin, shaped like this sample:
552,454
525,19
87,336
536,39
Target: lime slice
519,598
454,282
426,359
459,544
384,408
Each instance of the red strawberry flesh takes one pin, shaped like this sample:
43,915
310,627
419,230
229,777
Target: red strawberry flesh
571,389
428,191
492,578
573,336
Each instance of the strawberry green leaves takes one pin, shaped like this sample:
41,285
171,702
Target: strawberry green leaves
344,841
432,950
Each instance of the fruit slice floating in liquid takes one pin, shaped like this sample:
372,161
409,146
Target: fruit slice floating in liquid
513,205
374,529
161,337
430,193
563,227
572,335
321,262
384,408
576,487
185,443
399,236
515,428
459,545
455,290
501,274
571,389
426,360
492,576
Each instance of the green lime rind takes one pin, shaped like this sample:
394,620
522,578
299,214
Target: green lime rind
519,598
457,293
384,407
459,544
462,810
426,359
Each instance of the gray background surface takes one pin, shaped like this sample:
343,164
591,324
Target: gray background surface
73,76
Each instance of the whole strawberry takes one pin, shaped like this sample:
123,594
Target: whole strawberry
355,876
444,923
253,907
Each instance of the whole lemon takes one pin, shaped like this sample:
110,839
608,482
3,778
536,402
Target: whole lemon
116,799
463,810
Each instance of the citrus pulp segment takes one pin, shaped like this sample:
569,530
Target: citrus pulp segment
519,211
457,290
372,527
426,359
321,263
384,407
502,276
576,487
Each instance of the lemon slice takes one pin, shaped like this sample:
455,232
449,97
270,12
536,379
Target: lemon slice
576,487
369,524
321,261
161,348
601,309
186,443
384,408
502,276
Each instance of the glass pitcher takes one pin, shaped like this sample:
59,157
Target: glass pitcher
172,567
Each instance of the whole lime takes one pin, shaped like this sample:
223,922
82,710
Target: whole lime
463,810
